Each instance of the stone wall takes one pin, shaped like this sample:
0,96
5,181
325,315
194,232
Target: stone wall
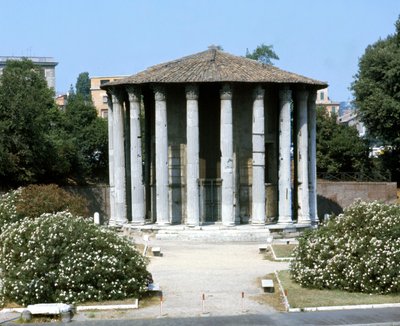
333,197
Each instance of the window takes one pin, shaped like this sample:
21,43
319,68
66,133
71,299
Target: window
104,81
104,114
105,99
321,96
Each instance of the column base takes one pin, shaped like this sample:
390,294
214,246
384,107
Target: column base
117,223
137,223
257,223
229,224
163,223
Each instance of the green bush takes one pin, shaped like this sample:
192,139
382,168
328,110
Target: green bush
62,258
38,199
34,200
358,251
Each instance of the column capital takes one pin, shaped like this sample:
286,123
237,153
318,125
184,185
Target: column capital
116,95
285,95
109,98
192,92
312,96
159,93
258,93
226,92
302,95
133,93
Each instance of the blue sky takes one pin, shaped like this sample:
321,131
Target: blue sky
316,38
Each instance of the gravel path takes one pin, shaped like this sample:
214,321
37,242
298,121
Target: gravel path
222,271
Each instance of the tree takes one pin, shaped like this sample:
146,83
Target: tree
83,85
26,105
88,135
376,88
339,148
263,53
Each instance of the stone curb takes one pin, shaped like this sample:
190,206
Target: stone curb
85,308
348,307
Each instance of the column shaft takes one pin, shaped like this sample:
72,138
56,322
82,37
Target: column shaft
162,185
258,140
192,156
312,158
119,159
111,156
137,186
284,179
302,156
227,211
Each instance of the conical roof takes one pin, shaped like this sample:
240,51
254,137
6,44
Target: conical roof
214,65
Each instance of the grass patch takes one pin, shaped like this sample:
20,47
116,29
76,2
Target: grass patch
283,250
300,297
275,299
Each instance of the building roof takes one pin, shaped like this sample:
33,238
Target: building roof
214,65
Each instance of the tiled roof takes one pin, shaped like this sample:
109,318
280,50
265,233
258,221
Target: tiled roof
215,66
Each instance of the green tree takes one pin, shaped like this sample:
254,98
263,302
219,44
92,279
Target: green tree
263,53
376,89
339,148
83,85
26,107
89,137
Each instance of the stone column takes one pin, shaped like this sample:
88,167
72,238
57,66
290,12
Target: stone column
312,156
119,159
192,156
284,178
258,184
137,186
302,164
111,155
227,211
162,187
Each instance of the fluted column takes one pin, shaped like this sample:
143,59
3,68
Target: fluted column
137,186
302,164
162,187
258,184
227,212
312,156
284,179
119,159
111,155
192,155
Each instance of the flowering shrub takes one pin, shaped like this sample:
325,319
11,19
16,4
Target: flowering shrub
358,251
8,208
61,258
34,200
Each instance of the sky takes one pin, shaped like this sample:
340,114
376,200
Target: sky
321,39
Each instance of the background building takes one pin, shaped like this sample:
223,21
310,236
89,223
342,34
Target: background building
47,63
99,96
323,100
